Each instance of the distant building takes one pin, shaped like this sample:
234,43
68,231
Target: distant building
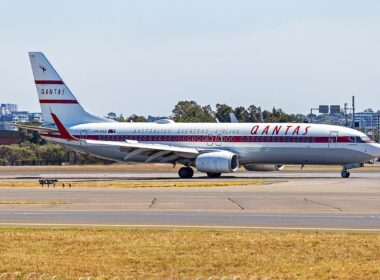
35,117
368,119
9,113
7,108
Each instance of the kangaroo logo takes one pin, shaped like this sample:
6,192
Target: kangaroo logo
42,68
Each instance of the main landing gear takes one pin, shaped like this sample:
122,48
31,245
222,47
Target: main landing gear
345,173
185,172
213,175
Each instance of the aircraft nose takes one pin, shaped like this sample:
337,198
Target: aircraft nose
375,149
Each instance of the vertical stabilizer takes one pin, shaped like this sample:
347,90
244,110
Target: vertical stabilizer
55,96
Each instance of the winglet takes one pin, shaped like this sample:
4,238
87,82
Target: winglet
65,134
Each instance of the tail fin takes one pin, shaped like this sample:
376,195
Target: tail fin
56,97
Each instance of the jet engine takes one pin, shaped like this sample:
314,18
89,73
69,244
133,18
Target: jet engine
263,167
217,162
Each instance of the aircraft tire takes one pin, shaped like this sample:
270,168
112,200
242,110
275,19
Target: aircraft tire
185,172
213,175
345,174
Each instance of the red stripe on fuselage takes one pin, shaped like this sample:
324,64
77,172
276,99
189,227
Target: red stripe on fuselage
58,101
216,139
48,82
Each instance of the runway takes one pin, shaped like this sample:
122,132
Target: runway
290,200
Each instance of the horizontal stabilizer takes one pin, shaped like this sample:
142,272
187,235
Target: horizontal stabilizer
39,129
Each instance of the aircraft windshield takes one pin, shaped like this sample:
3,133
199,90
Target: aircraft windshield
360,139
365,138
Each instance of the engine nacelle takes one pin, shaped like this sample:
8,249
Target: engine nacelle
217,162
263,167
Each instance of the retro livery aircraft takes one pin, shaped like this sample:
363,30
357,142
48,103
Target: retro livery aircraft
212,148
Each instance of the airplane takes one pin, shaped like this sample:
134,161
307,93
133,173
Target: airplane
211,148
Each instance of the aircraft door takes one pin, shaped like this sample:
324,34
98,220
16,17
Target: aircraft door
83,136
333,140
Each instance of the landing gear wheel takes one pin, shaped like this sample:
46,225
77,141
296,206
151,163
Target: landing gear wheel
345,174
213,175
185,172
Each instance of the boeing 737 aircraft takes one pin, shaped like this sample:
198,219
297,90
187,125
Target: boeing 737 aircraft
212,148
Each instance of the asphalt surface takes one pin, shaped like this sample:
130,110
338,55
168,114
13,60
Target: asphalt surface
290,200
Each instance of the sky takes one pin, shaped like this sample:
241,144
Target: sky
142,57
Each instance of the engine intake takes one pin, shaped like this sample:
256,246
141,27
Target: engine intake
217,162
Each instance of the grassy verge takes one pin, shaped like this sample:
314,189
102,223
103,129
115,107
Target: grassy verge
134,184
24,202
156,254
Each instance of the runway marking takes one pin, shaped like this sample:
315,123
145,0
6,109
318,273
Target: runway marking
237,204
322,204
152,203
195,227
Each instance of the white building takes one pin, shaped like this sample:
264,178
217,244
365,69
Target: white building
368,119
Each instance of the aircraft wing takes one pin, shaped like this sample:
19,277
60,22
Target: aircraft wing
33,128
151,152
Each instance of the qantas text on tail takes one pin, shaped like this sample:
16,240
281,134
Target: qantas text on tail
212,148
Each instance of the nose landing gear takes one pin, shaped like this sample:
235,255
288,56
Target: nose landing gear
345,173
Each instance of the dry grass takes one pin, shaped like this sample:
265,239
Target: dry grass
155,254
134,184
25,202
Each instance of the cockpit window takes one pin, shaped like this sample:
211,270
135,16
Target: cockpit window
359,139
365,138
352,139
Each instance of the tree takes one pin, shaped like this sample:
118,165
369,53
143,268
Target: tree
51,152
279,115
136,118
241,114
12,153
223,112
254,114
31,136
111,115
120,118
190,111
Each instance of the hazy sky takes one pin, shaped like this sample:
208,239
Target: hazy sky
144,56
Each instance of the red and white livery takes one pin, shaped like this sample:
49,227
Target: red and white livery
212,148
